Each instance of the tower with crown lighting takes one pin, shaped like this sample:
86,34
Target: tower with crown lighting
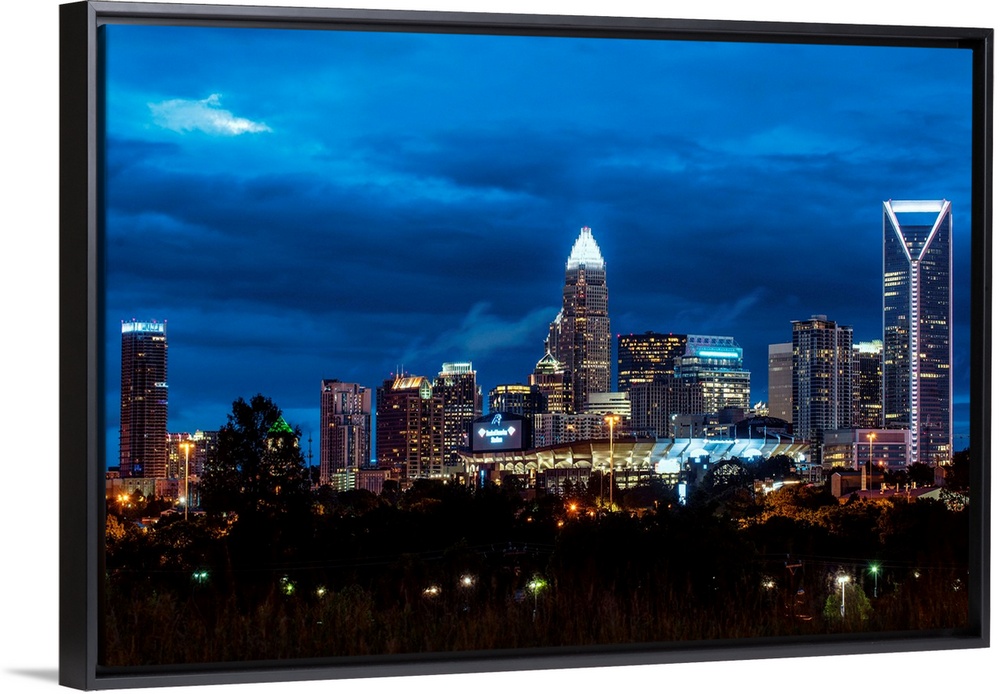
581,333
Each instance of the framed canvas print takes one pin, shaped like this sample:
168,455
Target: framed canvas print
413,342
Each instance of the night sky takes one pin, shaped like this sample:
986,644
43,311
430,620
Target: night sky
302,205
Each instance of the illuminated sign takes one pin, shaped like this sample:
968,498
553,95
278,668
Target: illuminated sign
717,354
134,327
501,431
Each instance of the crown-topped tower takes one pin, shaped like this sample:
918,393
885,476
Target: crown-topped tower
585,252
580,337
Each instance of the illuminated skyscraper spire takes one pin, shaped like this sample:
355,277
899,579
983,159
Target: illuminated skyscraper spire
585,252
582,333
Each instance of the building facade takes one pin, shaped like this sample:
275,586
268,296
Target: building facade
822,379
917,324
516,398
648,358
581,333
463,402
868,385
779,381
409,428
881,449
345,412
553,383
142,435
710,376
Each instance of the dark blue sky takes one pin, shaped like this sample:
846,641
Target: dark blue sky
304,205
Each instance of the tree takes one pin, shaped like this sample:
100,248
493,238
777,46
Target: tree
259,469
921,474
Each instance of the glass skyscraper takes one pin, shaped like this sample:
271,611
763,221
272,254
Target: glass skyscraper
143,429
917,324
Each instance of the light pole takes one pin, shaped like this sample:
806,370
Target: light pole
535,586
874,570
611,419
842,580
186,445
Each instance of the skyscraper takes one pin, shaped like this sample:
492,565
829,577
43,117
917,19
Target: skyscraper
463,402
822,379
780,363
142,434
917,324
345,428
648,358
552,381
868,385
582,330
409,427
712,374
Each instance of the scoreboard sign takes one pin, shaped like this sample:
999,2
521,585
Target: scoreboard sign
500,431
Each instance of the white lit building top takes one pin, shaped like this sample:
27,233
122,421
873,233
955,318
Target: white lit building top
142,327
585,252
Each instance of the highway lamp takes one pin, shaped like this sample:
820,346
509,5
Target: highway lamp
186,445
842,580
874,571
611,419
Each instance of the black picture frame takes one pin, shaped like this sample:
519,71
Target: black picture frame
81,351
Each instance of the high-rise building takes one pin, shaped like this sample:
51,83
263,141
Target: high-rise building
710,375
463,402
553,383
779,381
345,412
648,358
409,428
868,385
142,435
517,398
822,379
917,324
582,330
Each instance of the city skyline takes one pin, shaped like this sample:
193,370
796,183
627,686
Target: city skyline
282,254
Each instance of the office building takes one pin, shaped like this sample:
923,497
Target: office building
581,333
409,428
463,402
868,385
822,379
553,383
143,442
517,398
648,358
875,449
345,412
709,376
779,381
917,324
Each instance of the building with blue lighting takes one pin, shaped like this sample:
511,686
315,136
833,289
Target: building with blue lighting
711,368
143,441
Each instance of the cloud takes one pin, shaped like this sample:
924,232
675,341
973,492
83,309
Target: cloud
206,115
482,333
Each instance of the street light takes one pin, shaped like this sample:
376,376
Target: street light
535,586
186,445
611,419
874,570
842,580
